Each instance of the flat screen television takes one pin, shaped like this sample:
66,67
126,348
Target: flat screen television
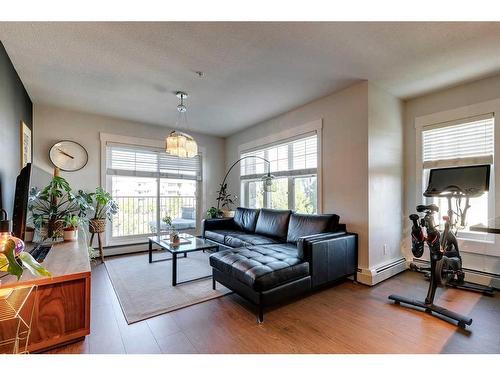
470,181
20,210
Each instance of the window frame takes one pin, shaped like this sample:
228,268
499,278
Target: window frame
477,243
136,142
287,137
288,133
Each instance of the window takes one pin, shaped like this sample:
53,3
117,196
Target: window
461,143
294,164
149,184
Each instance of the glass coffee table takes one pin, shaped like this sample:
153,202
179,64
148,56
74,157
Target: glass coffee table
195,244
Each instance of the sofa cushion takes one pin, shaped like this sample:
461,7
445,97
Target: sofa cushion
304,225
187,213
219,235
261,267
216,235
245,239
273,223
235,241
245,218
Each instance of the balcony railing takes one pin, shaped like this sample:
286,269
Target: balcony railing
138,215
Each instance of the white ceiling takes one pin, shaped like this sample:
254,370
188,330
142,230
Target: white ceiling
253,71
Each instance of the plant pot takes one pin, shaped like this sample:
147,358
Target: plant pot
54,229
29,234
228,213
70,234
43,232
97,225
175,239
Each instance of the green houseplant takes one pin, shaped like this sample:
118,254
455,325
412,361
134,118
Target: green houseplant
51,207
71,227
13,258
213,213
225,201
12,255
103,207
174,234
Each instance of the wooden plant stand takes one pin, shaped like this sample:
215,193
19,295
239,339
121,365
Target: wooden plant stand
99,242
97,226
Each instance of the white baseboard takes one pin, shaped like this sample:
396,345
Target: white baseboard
472,276
125,249
372,276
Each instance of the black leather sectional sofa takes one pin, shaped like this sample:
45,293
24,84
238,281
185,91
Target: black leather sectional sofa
269,256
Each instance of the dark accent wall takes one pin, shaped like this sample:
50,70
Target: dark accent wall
15,106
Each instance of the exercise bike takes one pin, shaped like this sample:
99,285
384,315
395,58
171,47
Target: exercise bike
449,270
446,263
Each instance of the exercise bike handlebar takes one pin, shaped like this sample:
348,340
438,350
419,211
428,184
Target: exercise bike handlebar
427,208
452,191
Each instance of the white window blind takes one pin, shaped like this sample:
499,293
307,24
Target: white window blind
298,156
125,160
459,143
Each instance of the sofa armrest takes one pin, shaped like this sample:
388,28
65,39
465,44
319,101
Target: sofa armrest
213,224
331,256
341,227
304,243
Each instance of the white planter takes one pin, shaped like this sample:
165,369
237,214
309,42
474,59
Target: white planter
228,213
70,235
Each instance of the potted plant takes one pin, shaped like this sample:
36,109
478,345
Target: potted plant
214,213
71,228
173,233
13,258
103,206
225,201
12,255
51,206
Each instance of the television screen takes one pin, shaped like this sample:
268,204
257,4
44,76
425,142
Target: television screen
20,211
471,181
39,177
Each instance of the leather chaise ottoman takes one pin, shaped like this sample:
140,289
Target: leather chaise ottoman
271,256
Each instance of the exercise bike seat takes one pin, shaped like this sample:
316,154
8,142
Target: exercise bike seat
429,207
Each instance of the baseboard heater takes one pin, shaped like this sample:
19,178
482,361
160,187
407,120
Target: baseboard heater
376,275
385,267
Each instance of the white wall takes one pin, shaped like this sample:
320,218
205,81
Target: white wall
344,138
54,124
463,98
362,166
385,163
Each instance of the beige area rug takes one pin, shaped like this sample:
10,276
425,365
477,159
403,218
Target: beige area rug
145,289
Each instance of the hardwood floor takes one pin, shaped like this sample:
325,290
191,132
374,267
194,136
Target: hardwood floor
347,318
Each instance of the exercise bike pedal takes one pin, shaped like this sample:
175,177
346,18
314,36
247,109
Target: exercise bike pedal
415,268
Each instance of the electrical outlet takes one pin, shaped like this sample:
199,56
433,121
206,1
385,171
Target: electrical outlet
385,249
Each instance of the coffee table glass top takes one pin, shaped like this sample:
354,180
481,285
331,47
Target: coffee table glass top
195,243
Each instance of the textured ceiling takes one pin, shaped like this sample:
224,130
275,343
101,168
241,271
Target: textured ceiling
253,71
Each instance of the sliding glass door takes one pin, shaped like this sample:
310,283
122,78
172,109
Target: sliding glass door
149,185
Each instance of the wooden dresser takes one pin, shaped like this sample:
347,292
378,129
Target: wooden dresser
62,307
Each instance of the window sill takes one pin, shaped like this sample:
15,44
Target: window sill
476,240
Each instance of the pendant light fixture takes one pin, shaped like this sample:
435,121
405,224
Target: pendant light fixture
178,143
